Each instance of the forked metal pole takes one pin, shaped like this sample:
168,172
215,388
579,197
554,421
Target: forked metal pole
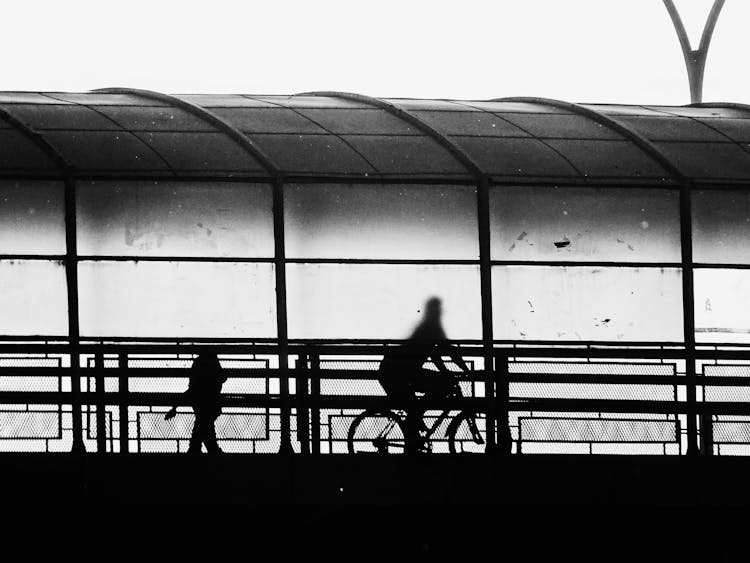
695,59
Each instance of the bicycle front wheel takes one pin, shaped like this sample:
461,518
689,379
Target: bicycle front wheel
376,432
465,433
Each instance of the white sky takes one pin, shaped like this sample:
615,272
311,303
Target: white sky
577,50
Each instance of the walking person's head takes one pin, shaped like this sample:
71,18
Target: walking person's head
206,360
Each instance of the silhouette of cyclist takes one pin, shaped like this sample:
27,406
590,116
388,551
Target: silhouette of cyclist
204,394
402,375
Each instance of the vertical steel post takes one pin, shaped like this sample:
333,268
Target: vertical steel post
303,420
101,418
71,277
314,404
485,276
688,316
122,387
285,445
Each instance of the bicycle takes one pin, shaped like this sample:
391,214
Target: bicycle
385,431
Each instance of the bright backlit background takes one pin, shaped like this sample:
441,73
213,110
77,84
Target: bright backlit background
623,51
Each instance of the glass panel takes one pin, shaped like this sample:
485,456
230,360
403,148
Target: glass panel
609,159
175,219
346,301
708,160
34,298
267,120
32,217
470,123
722,305
515,157
381,221
312,153
18,152
568,126
47,116
177,299
406,155
668,128
721,226
736,129
155,119
585,224
589,304
201,151
111,150
360,121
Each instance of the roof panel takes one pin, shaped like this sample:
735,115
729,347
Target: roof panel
18,152
427,105
28,98
267,120
99,98
223,100
101,151
198,151
736,129
566,126
470,123
667,128
373,121
612,109
69,117
700,111
609,159
312,154
515,157
708,161
406,155
513,107
312,102
136,118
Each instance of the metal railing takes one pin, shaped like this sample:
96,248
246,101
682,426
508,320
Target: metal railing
531,398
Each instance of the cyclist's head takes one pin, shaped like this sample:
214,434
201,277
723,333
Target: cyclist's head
433,307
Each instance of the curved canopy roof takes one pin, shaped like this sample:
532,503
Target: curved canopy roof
134,133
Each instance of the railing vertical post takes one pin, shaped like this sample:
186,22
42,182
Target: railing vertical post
101,419
314,402
504,439
122,386
490,377
303,420
707,434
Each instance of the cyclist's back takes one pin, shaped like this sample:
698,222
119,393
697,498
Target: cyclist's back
402,371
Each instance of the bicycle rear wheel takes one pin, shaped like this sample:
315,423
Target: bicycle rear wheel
376,432
465,433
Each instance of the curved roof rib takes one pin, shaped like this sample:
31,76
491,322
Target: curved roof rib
230,130
458,153
65,167
637,139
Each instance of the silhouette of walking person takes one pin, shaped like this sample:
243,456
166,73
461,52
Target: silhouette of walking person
204,394
402,375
